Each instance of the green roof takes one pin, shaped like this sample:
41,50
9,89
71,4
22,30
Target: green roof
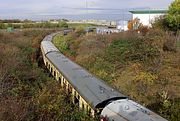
148,11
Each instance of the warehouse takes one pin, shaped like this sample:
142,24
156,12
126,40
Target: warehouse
146,17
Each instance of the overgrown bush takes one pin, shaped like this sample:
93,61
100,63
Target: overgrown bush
62,24
27,92
134,49
139,65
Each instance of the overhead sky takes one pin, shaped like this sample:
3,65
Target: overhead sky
74,9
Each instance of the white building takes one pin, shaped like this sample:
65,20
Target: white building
122,25
146,17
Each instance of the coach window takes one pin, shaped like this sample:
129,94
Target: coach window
60,80
55,73
87,108
89,111
51,69
64,83
76,101
82,106
70,89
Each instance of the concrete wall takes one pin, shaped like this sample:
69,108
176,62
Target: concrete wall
146,19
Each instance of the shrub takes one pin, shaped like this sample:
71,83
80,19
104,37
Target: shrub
160,23
134,49
79,31
62,24
173,17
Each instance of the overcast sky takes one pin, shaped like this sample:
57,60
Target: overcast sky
45,9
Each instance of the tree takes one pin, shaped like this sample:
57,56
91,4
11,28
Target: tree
63,24
134,24
173,17
2,26
160,23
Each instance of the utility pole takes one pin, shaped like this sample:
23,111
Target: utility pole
86,8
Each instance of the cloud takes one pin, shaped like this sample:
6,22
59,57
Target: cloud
31,8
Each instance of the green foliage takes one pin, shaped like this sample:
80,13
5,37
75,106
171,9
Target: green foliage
66,43
160,23
2,26
118,50
173,17
131,50
61,43
79,31
62,24
169,108
31,25
140,66
53,104
76,25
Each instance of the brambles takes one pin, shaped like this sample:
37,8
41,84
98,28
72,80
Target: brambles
138,65
27,92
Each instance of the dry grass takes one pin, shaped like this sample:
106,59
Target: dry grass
144,67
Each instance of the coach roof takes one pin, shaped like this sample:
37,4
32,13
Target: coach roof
92,89
48,47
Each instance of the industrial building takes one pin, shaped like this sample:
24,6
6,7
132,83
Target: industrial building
146,17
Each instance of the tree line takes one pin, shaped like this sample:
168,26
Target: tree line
21,24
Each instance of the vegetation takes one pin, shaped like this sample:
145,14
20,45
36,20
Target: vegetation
143,66
33,25
171,21
77,25
173,17
134,24
28,92
63,24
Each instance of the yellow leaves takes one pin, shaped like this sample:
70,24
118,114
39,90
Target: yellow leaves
102,73
136,67
145,78
134,24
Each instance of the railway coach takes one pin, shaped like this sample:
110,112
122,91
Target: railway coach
90,93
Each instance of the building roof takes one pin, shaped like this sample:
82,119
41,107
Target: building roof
148,11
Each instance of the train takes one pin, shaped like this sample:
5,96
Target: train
90,93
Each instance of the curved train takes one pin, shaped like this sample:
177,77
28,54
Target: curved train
90,93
